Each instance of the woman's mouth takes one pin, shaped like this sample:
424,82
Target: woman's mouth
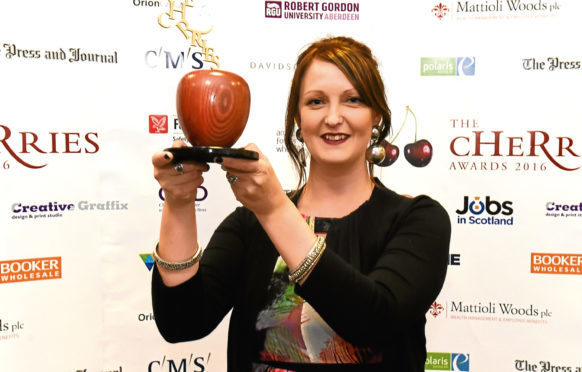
334,138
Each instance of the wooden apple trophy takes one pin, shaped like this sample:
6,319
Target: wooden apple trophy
213,108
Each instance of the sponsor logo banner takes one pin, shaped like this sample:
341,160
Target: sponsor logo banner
487,212
531,151
446,362
17,52
498,9
491,311
312,10
447,66
544,365
30,269
556,263
554,209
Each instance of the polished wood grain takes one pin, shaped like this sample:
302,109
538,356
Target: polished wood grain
213,107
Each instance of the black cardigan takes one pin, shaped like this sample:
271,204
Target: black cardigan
384,265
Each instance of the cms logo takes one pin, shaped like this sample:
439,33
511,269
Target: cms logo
174,59
201,194
476,206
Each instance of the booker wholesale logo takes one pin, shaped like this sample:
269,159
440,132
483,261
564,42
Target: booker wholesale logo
19,145
472,212
556,263
71,55
446,362
447,66
498,9
30,269
554,209
535,151
490,311
178,18
311,10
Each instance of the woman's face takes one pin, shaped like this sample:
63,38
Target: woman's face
335,123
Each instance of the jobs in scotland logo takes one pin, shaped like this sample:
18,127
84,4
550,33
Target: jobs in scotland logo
447,66
477,211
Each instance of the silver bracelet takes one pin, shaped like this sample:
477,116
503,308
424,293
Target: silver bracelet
176,265
309,261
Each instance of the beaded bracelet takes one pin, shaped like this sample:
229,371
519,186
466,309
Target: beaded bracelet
176,265
309,261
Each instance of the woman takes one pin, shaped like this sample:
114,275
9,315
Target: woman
349,289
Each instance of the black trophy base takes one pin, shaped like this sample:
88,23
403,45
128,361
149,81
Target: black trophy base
210,154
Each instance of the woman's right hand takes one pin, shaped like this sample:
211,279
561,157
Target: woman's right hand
179,188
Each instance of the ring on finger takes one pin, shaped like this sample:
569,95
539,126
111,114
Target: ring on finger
232,179
179,167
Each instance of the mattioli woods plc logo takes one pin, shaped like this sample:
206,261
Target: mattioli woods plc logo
533,151
30,269
198,51
21,145
490,311
478,211
496,9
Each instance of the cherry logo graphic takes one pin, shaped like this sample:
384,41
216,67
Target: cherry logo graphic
419,153
392,153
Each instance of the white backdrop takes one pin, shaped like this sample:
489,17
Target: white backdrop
494,87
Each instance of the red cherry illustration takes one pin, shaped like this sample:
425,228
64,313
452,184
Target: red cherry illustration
418,153
392,153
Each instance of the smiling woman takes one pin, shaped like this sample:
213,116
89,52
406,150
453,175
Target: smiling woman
338,275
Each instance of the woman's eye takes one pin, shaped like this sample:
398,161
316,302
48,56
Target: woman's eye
354,100
314,101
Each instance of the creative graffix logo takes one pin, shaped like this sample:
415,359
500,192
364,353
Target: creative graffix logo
273,9
30,269
476,207
23,211
556,263
199,364
19,145
493,150
549,64
440,10
554,209
148,260
158,123
199,51
312,10
447,66
446,362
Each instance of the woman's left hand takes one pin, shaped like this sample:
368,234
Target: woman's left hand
256,185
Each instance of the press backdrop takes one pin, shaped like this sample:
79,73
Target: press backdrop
87,95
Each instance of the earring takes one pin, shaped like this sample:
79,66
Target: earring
301,154
375,153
